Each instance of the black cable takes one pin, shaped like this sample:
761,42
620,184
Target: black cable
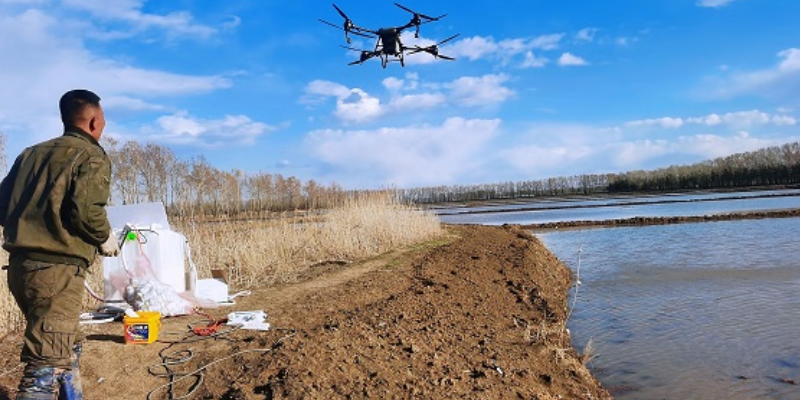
182,356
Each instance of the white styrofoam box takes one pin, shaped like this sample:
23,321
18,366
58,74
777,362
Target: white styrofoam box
159,252
212,289
152,215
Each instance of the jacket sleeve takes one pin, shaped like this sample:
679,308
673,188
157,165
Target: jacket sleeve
6,187
88,198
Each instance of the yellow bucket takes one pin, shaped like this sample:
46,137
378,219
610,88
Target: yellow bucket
142,329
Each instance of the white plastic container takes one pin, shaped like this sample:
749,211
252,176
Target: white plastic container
156,252
156,247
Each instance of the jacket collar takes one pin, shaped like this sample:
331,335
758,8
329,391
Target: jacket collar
78,132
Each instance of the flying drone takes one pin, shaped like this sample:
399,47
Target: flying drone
389,47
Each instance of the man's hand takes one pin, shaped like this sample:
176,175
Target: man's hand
110,248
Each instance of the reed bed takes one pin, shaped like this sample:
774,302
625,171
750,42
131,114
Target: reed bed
268,251
273,250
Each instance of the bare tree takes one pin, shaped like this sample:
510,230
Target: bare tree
154,167
3,157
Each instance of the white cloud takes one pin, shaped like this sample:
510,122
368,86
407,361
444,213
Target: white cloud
791,60
562,149
474,48
392,83
544,42
178,23
406,156
784,120
532,61
181,128
553,149
355,105
411,82
536,160
742,118
713,3
657,153
586,34
666,122
233,22
710,146
417,101
781,82
129,79
478,91
629,155
130,104
352,105
568,59
327,88
738,119
506,50
358,106
26,2
49,59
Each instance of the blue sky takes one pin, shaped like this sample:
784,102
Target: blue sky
539,88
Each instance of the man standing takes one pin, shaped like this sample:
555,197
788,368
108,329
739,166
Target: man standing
52,208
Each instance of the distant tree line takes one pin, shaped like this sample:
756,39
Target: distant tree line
778,165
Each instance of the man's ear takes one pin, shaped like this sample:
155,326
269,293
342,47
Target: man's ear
93,124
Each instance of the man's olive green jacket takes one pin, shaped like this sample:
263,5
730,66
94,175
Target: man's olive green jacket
52,203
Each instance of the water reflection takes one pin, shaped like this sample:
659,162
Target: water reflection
690,311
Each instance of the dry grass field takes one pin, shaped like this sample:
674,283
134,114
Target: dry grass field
278,250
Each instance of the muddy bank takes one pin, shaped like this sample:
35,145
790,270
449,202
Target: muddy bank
482,317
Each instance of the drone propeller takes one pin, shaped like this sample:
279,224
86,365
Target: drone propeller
354,49
365,55
417,19
448,39
352,29
346,18
348,26
359,61
416,14
434,49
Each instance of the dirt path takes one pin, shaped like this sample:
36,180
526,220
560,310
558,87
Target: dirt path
481,317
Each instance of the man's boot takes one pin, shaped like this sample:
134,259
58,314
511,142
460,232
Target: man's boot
70,381
38,383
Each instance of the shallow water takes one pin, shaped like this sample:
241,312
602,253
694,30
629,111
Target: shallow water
596,210
682,312
691,311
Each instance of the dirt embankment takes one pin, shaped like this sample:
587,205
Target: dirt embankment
482,317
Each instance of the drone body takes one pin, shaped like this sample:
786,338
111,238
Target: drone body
389,46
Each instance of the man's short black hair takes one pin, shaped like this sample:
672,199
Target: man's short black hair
74,102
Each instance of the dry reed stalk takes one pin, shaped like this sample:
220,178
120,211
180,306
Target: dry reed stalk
262,252
589,352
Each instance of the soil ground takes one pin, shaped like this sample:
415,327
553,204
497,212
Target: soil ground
481,315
